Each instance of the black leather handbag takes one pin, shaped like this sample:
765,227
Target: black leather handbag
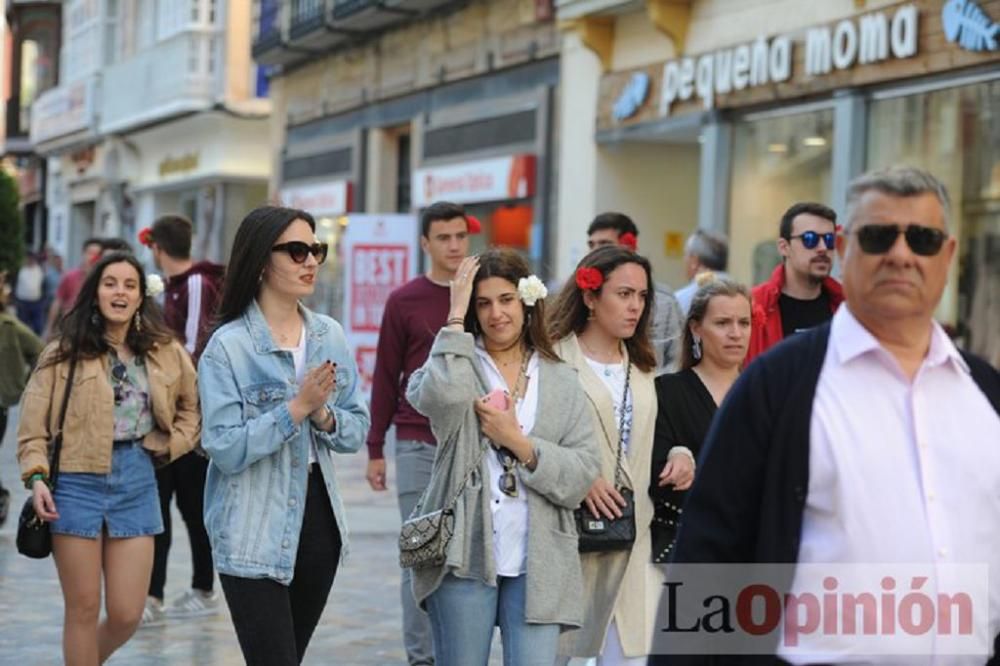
34,539
603,534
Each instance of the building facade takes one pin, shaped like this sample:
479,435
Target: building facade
159,109
384,109
31,37
720,114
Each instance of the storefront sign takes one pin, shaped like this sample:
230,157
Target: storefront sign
63,110
174,165
496,179
865,40
965,22
330,198
893,43
380,255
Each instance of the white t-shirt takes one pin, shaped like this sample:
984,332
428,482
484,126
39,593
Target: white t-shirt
299,358
510,514
613,376
30,283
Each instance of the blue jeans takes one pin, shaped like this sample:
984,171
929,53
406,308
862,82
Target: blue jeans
463,613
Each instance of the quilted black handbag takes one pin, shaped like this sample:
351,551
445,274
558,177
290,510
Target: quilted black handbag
33,536
424,538
605,534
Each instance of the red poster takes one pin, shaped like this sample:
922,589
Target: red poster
376,270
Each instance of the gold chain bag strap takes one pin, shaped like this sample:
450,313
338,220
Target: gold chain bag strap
604,534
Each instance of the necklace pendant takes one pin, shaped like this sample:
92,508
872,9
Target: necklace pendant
607,371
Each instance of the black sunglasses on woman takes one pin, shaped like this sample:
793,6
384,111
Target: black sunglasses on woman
298,251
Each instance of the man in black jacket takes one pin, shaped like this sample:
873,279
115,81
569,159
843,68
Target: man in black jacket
870,439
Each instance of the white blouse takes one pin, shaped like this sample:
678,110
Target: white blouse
510,514
299,358
613,376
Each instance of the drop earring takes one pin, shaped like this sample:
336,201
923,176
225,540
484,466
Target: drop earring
138,323
590,314
95,318
696,348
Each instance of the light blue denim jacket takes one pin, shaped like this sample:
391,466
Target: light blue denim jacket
255,492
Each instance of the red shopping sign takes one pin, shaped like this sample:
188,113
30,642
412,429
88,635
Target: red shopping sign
375,271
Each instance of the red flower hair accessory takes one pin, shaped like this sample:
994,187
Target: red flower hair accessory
146,237
475,226
589,278
628,240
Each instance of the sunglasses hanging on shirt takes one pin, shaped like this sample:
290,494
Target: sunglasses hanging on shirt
118,373
298,251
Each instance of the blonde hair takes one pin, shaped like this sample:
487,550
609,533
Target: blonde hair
710,285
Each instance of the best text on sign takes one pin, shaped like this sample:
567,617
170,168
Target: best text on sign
376,271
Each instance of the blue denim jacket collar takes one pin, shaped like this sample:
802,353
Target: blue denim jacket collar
260,332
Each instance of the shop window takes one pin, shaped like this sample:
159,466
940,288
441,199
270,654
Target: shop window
955,134
777,161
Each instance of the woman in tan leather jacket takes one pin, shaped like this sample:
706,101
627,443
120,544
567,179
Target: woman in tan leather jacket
133,399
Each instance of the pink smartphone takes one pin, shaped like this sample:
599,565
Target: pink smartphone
497,398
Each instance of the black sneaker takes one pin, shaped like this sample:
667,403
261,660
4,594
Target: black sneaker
4,505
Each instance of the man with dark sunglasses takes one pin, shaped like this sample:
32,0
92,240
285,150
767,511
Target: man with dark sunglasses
800,293
871,439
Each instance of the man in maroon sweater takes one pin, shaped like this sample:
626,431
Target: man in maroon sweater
413,315
192,293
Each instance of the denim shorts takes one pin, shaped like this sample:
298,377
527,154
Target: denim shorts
126,500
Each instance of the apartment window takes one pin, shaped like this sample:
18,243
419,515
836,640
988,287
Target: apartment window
195,11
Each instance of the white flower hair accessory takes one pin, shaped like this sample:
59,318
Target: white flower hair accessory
530,289
154,285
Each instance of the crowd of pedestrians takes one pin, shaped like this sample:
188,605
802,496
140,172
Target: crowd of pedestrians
552,453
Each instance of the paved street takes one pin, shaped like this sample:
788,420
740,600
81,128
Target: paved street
360,626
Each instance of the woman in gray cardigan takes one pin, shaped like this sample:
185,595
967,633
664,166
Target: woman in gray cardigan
527,458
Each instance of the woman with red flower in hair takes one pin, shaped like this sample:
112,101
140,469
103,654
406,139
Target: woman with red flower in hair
601,324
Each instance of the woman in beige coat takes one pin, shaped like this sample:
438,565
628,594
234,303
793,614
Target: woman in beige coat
601,323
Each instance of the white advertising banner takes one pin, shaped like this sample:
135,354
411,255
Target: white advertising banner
380,255
326,198
495,179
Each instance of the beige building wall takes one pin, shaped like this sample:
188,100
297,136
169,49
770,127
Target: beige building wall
656,184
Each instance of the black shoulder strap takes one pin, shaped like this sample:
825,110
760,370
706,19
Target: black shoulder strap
985,376
58,438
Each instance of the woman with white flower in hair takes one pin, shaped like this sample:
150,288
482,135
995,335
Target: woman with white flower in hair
516,454
131,399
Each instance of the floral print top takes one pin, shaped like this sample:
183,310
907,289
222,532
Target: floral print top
133,412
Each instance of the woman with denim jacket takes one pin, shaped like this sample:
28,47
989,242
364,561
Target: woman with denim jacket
133,399
280,393
529,455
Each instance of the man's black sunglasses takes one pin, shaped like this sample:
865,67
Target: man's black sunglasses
810,239
298,251
879,238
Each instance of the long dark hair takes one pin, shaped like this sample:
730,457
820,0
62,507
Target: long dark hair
570,314
251,254
511,266
81,331
710,285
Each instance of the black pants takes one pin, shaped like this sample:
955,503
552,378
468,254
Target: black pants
273,622
3,428
185,478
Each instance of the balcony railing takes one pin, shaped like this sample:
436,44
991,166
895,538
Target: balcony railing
307,16
178,75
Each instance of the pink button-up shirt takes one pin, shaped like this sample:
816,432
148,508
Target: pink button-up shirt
899,472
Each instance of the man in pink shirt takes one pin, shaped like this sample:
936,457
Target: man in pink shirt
71,282
413,315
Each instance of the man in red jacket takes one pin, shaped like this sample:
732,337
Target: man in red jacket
800,294
192,292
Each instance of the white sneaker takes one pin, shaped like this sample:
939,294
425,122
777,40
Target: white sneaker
194,603
153,614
